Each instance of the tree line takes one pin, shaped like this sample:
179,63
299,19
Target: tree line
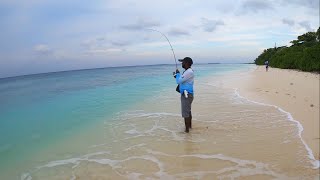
303,54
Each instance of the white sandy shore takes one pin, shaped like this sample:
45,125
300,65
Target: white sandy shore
293,91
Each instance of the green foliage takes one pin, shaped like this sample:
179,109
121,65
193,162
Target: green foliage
295,42
308,37
304,54
318,34
311,58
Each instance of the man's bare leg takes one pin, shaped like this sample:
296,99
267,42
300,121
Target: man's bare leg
186,122
190,124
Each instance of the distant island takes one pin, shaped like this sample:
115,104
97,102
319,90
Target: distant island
303,54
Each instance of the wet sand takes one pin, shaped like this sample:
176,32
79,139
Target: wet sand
294,91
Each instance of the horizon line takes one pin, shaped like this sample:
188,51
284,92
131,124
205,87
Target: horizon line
84,69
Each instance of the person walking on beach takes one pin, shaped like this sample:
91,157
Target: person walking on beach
185,87
267,65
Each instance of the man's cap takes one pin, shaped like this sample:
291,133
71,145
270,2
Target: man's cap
186,59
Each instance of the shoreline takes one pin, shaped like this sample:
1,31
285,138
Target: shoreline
231,138
294,92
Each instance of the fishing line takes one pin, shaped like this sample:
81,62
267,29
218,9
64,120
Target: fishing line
174,56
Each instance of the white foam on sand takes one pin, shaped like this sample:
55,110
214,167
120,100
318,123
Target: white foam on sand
132,131
241,167
142,114
135,146
315,163
105,161
26,176
158,120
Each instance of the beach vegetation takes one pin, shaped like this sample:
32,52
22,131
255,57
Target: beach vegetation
318,34
303,54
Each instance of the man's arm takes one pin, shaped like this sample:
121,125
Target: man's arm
181,79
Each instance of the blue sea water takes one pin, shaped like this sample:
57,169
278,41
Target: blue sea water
39,110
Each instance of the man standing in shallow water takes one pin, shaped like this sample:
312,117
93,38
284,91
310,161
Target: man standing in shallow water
185,82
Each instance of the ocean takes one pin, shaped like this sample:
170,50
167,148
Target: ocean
125,123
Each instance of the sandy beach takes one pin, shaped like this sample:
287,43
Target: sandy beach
293,91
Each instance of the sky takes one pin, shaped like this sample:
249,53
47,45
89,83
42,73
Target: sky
50,35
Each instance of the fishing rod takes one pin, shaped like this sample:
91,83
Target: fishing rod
175,60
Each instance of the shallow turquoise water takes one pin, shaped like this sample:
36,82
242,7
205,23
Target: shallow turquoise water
37,111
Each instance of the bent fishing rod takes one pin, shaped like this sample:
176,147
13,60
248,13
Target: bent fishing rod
174,56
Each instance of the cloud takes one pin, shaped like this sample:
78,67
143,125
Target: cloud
42,49
102,42
306,25
140,25
178,32
120,43
101,39
276,33
243,43
288,22
211,25
104,51
312,4
256,6
68,29
94,42
236,37
100,46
